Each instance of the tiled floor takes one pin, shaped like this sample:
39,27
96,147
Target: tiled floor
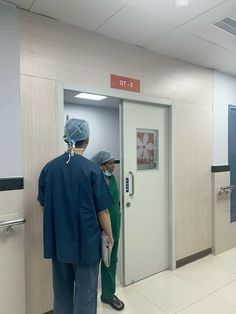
207,286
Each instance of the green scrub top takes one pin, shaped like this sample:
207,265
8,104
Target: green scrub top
114,209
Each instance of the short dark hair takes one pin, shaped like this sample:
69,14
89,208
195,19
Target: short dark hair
106,162
78,144
81,144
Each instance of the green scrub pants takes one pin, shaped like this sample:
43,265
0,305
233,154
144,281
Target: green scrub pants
108,275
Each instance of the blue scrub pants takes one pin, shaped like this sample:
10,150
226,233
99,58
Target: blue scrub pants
75,288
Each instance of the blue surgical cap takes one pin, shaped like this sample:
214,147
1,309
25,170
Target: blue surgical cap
102,157
76,130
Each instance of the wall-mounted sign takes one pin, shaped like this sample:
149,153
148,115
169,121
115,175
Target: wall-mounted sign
126,83
147,149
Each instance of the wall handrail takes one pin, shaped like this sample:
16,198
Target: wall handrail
227,189
9,223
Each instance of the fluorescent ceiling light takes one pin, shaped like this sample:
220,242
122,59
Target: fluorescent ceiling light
90,96
182,3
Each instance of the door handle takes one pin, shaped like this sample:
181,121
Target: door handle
132,183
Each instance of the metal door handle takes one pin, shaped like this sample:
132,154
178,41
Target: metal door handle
132,176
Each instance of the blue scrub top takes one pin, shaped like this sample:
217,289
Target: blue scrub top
71,195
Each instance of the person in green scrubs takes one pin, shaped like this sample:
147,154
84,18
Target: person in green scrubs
105,161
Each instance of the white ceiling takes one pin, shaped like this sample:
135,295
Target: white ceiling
184,32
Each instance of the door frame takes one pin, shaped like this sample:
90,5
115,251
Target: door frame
139,98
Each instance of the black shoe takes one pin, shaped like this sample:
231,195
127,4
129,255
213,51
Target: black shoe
116,303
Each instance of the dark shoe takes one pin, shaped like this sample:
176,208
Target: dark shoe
116,303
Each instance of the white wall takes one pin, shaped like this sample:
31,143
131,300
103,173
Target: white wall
12,248
10,158
57,52
224,94
224,232
104,127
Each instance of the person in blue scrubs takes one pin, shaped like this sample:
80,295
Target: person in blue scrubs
75,199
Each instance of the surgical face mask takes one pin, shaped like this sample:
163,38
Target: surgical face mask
107,173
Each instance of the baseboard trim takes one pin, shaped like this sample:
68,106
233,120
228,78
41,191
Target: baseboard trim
192,258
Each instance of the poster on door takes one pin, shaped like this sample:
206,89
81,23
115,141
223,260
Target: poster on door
147,149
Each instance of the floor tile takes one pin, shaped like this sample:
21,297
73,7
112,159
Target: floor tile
170,292
135,303
233,250
206,275
152,278
226,260
227,293
209,305
119,289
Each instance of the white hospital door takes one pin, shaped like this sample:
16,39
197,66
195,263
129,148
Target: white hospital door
145,190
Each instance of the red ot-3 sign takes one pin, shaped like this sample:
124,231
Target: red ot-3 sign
126,83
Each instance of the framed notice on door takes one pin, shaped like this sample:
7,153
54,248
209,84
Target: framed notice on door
147,149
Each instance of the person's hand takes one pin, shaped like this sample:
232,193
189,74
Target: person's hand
110,244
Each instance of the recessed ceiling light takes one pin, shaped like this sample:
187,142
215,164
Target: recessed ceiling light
182,3
90,96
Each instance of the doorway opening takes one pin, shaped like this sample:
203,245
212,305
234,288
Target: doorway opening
115,125
103,119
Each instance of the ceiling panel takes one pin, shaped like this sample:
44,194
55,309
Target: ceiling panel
185,32
169,12
177,43
25,4
86,14
9,1
130,25
214,57
204,27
